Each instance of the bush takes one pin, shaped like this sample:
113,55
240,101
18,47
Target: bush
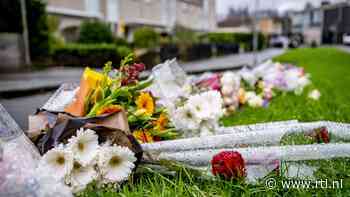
243,39
121,42
146,37
95,32
93,55
123,51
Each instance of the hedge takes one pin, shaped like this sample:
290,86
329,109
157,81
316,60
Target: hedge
93,55
95,32
146,37
243,39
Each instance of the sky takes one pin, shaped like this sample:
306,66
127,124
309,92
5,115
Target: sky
222,6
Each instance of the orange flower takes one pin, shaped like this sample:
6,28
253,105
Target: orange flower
143,136
145,103
161,122
241,96
109,109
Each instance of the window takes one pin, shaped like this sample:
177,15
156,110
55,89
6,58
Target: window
92,6
112,10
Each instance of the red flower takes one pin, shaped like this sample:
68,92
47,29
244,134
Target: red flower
229,164
323,135
131,73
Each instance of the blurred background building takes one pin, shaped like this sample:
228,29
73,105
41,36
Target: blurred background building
127,15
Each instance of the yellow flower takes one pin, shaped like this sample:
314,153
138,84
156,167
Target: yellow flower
109,109
161,122
143,136
241,96
145,103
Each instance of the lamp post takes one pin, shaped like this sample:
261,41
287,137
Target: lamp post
25,32
255,33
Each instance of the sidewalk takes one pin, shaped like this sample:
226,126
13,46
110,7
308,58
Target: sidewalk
344,48
235,61
52,78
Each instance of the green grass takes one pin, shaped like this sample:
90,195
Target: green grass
330,72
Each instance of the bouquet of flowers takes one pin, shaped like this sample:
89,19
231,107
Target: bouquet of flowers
194,112
256,87
94,135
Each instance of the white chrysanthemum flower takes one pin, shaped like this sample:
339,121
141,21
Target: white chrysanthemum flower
228,78
255,101
57,161
81,176
199,106
248,76
314,94
115,163
84,146
214,104
249,95
184,118
227,90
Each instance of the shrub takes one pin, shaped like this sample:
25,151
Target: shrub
243,39
93,55
146,37
95,32
123,51
120,42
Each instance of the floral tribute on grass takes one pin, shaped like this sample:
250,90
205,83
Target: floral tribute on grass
115,122
256,87
83,160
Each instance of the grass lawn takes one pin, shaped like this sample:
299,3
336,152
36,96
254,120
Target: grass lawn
330,73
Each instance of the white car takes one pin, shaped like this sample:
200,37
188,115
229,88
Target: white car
279,41
346,39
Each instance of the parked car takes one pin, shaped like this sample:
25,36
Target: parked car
346,39
279,41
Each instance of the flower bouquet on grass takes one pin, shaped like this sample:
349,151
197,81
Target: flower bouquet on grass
101,130
256,87
94,135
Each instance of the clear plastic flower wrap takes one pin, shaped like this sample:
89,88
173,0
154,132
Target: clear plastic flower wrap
296,160
266,135
18,162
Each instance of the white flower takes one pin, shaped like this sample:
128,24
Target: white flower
214,103
57,161
207,105
199,106
314,94
249,95
229,78
84,146
184,118
115,163
255,101
227,90
81,176
228,101
248,76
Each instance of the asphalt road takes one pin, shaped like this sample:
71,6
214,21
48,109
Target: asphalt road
21,107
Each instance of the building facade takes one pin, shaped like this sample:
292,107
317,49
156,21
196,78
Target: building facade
308,23
336,23
127,15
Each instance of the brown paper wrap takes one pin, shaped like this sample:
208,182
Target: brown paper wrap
48,129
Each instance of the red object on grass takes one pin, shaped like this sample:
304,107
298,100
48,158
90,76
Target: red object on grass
229,164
